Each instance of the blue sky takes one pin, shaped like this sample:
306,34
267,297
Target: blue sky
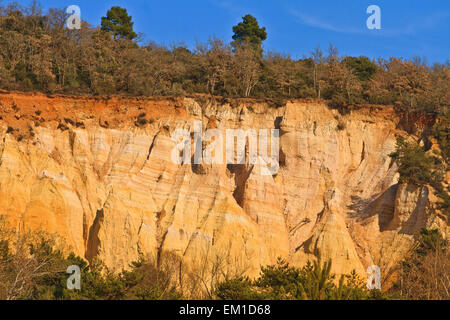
409,27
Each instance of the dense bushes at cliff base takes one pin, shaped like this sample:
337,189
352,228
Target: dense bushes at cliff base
31,267
283,282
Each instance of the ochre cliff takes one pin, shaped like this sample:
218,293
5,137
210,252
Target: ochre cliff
91,171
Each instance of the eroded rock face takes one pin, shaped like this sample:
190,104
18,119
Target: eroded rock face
409,208
108,185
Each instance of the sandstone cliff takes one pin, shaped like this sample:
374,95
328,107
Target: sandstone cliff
94,172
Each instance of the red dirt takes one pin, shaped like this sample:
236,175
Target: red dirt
23,111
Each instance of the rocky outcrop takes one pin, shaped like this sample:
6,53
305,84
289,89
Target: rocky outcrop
410,208
99,173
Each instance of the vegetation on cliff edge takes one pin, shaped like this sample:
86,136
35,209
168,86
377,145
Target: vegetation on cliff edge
37,52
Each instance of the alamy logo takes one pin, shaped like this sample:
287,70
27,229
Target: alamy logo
374,278
74,281
374,21
74,19
208,147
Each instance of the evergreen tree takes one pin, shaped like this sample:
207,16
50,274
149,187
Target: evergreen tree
119,23
249,32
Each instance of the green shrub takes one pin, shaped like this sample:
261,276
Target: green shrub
414,165
283,282
238,289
